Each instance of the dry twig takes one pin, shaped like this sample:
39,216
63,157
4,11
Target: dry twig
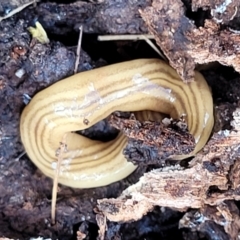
19,9
59,154
145,37
125,37
78,49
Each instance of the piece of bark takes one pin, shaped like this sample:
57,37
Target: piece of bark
82,232
184,44
160,222
224,220
175,188
153,142
210,43
182,189
223,115
102,223
222,11
167,22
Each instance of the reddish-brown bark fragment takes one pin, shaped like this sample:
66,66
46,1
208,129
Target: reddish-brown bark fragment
167,22
234,175
209,44
222,11
153,142
184,44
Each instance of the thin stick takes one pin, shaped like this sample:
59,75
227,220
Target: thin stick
145,37
124,37
150,43
20,8
60,152
78,49
63,145
20,155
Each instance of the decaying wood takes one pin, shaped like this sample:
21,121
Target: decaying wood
153,142
167,22
223,219
102,223
168,187
206,183
82,231
184,44
222,11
